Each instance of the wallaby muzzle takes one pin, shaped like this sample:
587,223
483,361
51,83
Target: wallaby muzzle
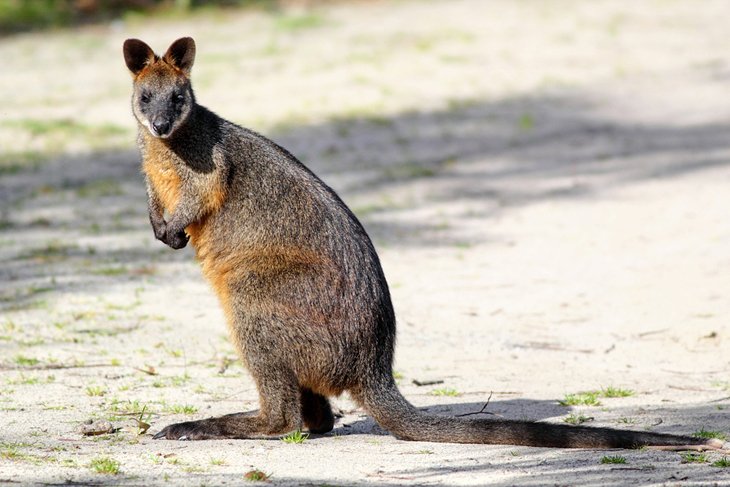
160,128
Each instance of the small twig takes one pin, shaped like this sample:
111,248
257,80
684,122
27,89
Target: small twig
721,399
481,411
652,332
427,382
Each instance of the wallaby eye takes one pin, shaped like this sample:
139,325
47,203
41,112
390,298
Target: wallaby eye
179,97
144,98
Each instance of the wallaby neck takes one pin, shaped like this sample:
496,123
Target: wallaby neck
194,141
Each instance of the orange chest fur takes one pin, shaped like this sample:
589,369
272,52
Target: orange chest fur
164,178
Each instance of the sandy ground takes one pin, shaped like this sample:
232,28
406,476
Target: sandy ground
546,183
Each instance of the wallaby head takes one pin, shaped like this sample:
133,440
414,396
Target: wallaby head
163,96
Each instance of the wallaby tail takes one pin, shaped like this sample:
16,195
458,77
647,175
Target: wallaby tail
394,413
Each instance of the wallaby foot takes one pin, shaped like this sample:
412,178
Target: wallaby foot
280,413
230,426
205,429
316,412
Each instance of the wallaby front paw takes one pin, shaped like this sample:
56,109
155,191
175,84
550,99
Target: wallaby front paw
176,240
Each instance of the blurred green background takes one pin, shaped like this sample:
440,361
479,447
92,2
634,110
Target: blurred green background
22,15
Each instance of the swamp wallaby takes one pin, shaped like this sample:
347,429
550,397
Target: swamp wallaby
301,285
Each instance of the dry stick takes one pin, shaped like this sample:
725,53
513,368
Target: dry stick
427,382
481,411
652,332
721,399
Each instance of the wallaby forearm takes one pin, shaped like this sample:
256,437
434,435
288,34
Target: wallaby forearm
156,211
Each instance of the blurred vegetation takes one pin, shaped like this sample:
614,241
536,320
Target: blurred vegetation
23,15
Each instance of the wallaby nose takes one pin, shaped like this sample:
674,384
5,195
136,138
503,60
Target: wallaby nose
162,127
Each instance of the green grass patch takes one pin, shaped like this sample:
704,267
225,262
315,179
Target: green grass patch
128,406
577,419
526,122
24,361
180,409
30,380
613,459
692,457
105,465
589,398
611,391
703,433
95,391
295,437
13,451
724,462
445,391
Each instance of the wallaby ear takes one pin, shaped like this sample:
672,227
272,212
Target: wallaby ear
181,54
137,55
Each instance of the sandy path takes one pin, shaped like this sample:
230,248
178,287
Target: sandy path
546,183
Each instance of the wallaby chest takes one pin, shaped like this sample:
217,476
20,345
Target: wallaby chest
159,165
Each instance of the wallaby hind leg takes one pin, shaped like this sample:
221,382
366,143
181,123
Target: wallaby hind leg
280,413
316,412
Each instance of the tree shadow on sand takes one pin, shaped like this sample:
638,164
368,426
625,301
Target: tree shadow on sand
78,212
